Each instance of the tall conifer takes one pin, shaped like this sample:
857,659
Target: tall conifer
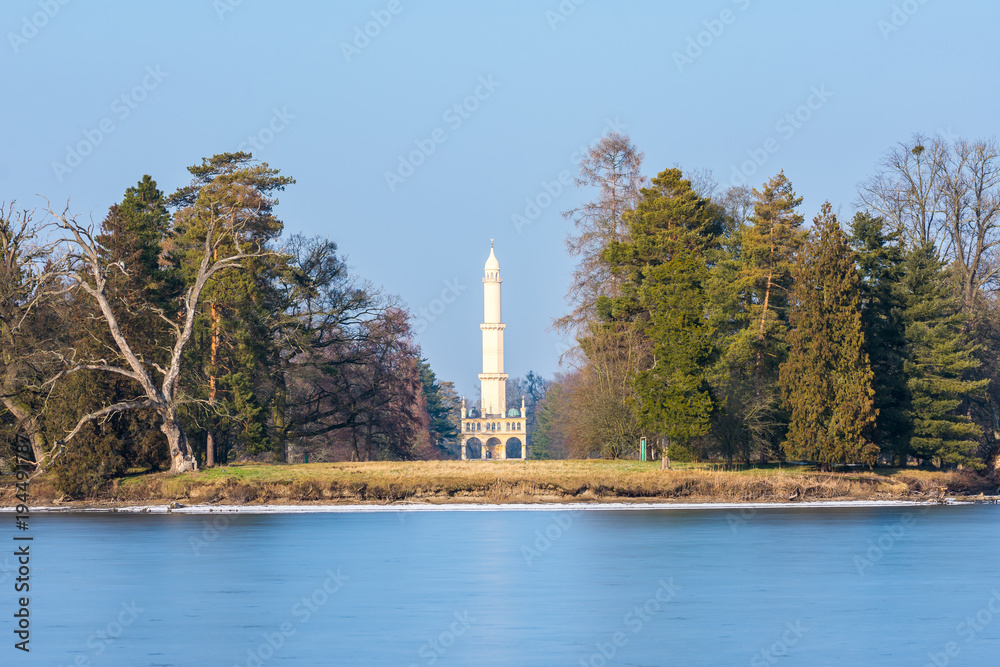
939,356
826,383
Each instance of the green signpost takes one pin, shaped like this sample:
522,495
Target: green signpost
642,449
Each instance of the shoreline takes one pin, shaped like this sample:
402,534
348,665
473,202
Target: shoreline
519,485
176,508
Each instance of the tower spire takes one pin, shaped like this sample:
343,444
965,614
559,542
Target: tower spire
493,425
493,381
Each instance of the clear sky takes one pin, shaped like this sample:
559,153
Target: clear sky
96,94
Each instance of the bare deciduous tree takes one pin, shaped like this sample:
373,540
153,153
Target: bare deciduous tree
945,194
28,285
157,388
612,166
906,190
969,186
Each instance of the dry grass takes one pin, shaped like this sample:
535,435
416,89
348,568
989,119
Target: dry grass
522,481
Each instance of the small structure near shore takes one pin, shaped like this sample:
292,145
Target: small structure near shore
498,430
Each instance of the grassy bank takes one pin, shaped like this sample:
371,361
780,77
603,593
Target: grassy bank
519,481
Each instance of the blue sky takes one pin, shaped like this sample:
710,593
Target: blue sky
153,87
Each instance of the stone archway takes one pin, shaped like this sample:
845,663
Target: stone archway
513,448
473,448
494,449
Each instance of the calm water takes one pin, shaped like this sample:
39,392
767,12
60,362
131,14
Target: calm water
858,586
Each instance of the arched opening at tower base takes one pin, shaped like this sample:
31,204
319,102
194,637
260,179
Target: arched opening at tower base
513,448
474,448
495,449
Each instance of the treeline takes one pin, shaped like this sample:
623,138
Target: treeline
187,330
718,324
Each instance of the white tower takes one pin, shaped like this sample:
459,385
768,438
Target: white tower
493,425
493,381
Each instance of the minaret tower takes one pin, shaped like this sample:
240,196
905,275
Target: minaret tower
493,380
493,425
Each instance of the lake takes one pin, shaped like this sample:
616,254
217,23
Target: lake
884,585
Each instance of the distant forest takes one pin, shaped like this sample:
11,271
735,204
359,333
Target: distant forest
717,323
188,331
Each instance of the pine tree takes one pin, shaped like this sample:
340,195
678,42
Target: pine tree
768,246
238,355
748,289
826,382
939,356
880,265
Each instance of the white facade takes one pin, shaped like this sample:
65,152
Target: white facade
493,424
493,381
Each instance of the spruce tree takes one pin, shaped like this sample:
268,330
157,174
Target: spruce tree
939,356
880,265
826,382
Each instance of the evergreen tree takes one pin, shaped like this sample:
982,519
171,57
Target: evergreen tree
672,397
669,218
673,235
880,265
768,246
440,403
131,240
238,354
826,382
938,357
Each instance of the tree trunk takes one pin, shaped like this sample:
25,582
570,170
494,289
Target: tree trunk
30,426
181,459
760,334
665,454
355,456
212,390
368,442
278,414
995,467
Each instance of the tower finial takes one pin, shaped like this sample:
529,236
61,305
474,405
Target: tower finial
491,243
